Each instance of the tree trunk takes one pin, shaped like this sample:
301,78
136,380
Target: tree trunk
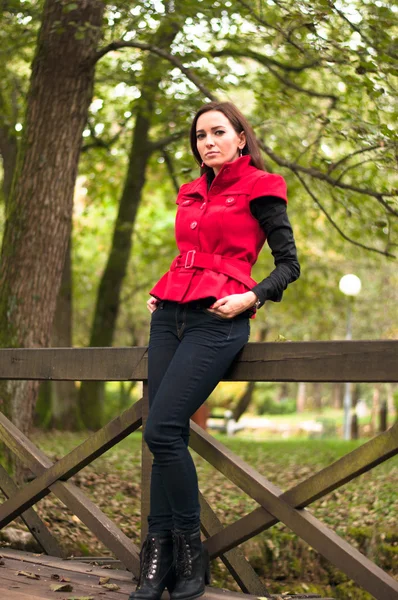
91,396
375,409
38,219
337,395
64,394
283,392
390,402
317,395
244,401
8,151
301,397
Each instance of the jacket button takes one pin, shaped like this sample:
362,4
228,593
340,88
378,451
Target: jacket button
202,206
193,224
230,201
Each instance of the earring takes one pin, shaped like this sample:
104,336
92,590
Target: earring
240,152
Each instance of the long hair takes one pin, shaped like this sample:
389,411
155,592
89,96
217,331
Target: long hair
239,123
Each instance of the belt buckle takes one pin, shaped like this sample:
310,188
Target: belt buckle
190,257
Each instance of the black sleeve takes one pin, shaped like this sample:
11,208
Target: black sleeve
272,216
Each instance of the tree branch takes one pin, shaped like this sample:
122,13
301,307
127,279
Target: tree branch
264,60
116,45
264,23
325,177
296,87
98,142
170,169
159,144
360,151
329,218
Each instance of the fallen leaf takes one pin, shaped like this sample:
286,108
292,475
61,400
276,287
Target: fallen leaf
111,586
29,575
63,587
103,580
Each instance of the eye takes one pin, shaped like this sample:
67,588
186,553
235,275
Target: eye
220,131
200,136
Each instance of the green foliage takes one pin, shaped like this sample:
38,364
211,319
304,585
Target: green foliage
266,405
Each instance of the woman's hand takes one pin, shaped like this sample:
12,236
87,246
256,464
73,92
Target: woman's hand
230,306
152,304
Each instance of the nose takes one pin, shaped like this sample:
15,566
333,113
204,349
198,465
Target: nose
209,141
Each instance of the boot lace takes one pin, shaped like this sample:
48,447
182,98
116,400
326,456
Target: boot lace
183,557
148,559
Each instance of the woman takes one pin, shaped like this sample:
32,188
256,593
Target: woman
200,321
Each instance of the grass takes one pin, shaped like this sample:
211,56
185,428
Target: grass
364,512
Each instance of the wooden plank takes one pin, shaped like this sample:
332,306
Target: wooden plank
74,364
10,594
79,578
235,560
146,468
331,361
305,525
31,519
75,565
347,468
68,566
106,531
93,447
83,585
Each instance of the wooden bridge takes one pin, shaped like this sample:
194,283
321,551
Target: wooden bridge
373,361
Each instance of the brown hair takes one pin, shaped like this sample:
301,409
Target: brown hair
239,123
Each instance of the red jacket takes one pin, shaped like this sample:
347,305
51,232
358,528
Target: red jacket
218,238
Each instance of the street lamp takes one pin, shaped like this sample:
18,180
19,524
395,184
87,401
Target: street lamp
350,285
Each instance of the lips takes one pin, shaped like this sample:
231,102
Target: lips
210,154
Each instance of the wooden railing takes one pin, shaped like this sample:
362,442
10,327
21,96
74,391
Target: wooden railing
354,361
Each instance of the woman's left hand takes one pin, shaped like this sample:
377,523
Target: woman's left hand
230,306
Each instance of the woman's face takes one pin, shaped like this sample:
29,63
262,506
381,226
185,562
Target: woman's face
216,140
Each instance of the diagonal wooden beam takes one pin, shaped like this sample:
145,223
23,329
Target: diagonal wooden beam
31,519
106,531
98,443
235,560
305,525
347,468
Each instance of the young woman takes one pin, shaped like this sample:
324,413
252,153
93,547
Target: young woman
200,321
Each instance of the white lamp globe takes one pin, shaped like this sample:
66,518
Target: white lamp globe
350,285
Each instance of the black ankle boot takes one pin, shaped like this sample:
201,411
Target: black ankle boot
156,568
192,566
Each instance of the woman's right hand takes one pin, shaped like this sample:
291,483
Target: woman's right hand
152,304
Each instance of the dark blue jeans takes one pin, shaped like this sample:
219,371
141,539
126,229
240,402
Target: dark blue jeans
190,350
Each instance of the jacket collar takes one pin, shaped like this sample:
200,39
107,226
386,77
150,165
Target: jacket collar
230,171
